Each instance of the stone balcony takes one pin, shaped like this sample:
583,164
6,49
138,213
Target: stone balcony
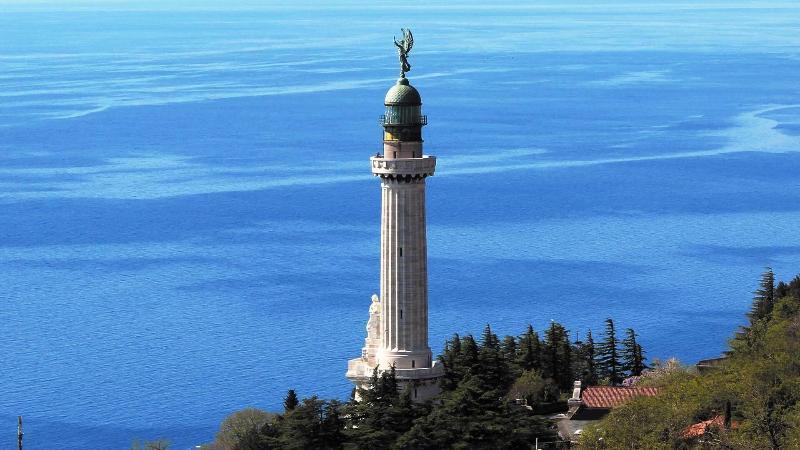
403,166
358,369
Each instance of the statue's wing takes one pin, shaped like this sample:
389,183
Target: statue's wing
409,38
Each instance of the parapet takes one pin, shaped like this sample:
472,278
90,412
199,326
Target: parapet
400,167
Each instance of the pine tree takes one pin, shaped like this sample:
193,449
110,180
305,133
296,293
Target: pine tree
369,419
764,297
314,423
331,435
291,401
509,348
632,357
492,368
388,385
550,360
589,354
450,357
557,356
641,358
489,339
529,350
793,288
468,357
608,357
452,348
459,358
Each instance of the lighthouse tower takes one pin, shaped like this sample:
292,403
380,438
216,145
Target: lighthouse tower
397,330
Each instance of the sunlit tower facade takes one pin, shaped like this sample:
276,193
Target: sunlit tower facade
397,331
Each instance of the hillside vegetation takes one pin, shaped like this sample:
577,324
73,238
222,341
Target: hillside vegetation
495,393
758,384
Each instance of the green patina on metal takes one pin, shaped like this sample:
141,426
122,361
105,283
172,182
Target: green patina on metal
403,48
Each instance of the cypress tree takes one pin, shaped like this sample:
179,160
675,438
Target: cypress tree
793,289
557,356
489,339
640,358
291,401
529,350
468,357
492,368
764,297
781,290
589,354
608,356
565,373
331,435
388,386
370,395
452,349
509,348
551,359
632,357
303,426
450,357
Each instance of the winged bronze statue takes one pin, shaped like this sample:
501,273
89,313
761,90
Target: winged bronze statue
403,48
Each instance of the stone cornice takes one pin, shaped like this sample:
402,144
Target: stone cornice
401,167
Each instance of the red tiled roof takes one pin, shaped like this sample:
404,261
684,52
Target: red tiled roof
611,396
699,429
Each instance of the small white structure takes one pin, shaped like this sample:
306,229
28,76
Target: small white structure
397,329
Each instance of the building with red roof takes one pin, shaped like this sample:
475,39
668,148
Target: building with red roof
607,397
593,403
699,432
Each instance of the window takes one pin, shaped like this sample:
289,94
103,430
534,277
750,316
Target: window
401,313
413,363
415,392
401,252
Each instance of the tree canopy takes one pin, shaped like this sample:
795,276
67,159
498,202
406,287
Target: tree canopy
494,394
757,386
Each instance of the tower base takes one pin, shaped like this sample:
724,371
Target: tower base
422,383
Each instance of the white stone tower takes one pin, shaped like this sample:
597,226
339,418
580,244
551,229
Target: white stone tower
397,330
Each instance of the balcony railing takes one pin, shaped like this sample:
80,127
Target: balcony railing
400,121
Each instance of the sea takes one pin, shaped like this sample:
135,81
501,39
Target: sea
189,226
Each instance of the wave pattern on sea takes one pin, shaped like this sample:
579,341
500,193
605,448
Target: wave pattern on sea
162,176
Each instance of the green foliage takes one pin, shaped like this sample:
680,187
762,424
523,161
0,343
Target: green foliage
382,415
492,368
291,401
608,355
472,416
587,361
477,408
632,354
508,350
240,424
764,297
158,444
790,289
450,357
529,350
530,386
557,360
314,423
759,384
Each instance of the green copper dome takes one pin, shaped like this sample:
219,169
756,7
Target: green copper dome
402,93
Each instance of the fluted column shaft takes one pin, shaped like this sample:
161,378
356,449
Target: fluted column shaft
404,268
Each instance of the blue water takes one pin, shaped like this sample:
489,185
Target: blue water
188,225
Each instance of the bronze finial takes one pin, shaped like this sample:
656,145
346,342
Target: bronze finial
403,48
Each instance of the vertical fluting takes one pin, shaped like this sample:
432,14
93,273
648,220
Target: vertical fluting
404,278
